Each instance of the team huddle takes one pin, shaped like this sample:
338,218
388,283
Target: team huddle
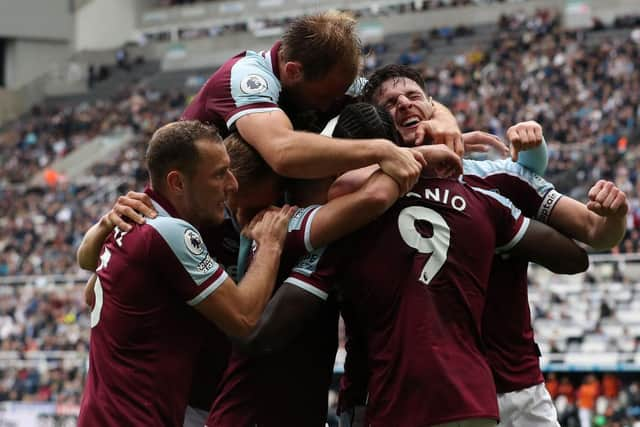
294,192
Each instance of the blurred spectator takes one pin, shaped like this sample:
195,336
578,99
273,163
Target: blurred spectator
587,394
610,386
552,385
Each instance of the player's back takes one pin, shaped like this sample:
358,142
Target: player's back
424,268
144,337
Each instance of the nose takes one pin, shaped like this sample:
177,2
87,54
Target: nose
403,102
232,183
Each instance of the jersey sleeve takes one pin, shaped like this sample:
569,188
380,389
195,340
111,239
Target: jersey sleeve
189,268
254,88
299,233
509,223
316,271
531,193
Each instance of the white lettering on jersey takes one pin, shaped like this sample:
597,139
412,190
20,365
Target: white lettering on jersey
456,202
104,259
436,245
97,306
119,235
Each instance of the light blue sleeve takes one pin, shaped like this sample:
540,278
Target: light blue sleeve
254,87
190,251
535,160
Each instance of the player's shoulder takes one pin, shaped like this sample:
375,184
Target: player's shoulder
506,168
495,201
255,65
178,234
492,167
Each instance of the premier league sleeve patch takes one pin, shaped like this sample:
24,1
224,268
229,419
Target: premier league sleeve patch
253,84
193,242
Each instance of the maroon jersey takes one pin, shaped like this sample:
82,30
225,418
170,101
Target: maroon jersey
222,242
289,387
250,83
145,334
247,83
418,278
507,332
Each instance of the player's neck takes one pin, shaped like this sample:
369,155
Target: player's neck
181,208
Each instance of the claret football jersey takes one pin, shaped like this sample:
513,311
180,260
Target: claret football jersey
417,279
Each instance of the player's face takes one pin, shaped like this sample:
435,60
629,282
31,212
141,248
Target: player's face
321,94
211,184
407,103
249,201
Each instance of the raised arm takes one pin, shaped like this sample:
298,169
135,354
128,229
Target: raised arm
528,146
601,223
307,155
547,247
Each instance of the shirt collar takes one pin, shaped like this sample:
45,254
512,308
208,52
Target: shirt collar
161,204
275,62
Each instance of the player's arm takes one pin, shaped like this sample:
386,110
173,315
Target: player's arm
601,223
307,155
480,142
551,249
236,309
89,294
528,146
348,213
351,211
297,300
283,318
438,160
134,206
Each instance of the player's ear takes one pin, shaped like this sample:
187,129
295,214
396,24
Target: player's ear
175,182
293,71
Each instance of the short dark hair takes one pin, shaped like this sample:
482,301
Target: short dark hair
247,165
173,146
381,75
321,41
365,121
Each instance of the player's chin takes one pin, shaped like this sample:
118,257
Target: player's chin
217,216
408,137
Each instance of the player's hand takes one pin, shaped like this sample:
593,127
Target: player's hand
524,136
480,142
134,206
440,161
444,132
270,226
402,165
607,200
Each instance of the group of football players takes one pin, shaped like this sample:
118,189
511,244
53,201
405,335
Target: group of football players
294,192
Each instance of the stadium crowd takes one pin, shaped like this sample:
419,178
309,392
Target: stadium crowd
590,128
49,320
